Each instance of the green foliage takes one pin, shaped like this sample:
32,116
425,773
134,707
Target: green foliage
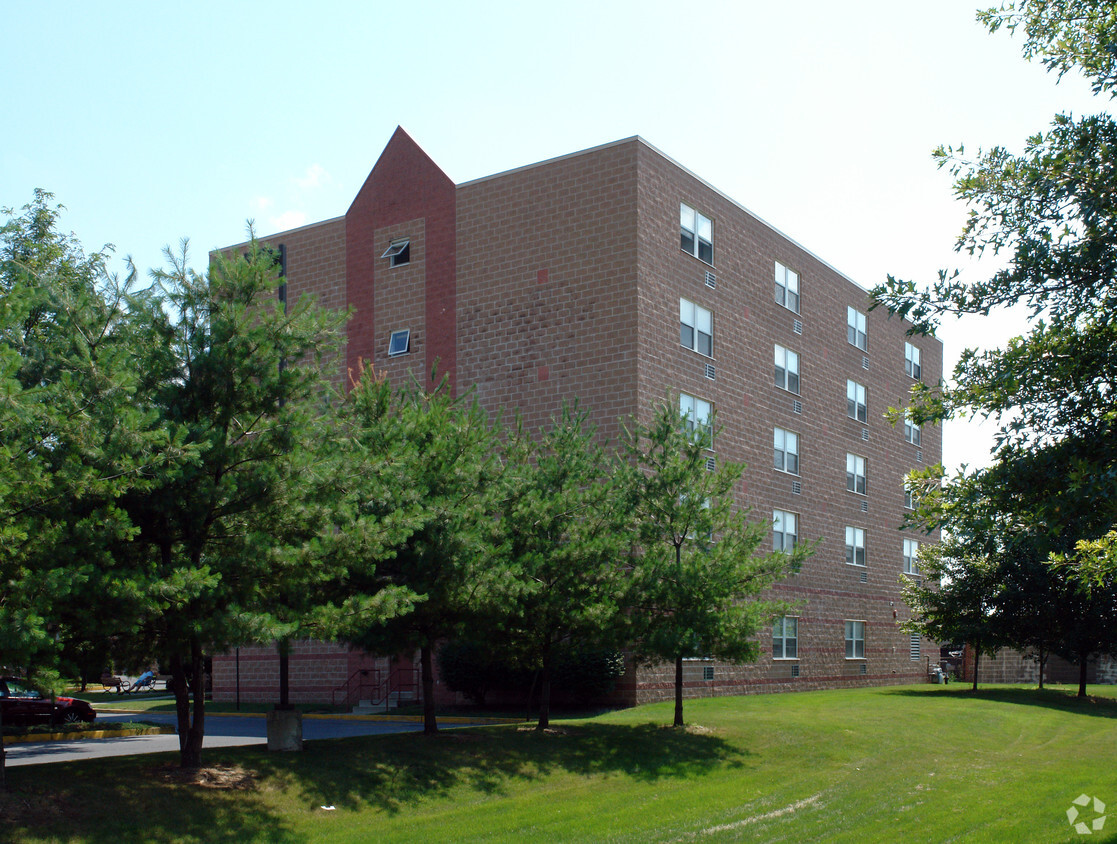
1066,35
585,673
697,570
561,531
439,482
1050,213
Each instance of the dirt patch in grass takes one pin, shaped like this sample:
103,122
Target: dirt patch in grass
225,777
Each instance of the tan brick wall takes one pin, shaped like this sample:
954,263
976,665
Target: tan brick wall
546,287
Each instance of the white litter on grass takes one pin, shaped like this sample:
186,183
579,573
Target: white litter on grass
329,808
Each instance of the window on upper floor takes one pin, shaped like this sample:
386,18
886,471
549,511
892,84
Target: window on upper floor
696,233
912,432
785,638
911,556
785,531
787,287
856,401
857,329
398,252
696,414
855,640
911,361
786,451
787,369
400,343
909,497
855,473
855,546
696,328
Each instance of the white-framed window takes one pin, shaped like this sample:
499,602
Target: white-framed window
696,233
696,328
856,406
787,369
855,473
398,252
786,447
696,414
857,331
911,556
855,546
785,531
909,497
400,343
855,640
911,361
787,288
912,432
785,638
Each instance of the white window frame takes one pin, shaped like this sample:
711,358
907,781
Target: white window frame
405,334
785,632
913,433
398,252
857,328
785,447
698,229
697,415
855,639
909,497
911,556
787,369
783,539
856,471
912,361
787,287
696,318
855,546
857,402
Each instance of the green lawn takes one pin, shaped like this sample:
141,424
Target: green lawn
923,763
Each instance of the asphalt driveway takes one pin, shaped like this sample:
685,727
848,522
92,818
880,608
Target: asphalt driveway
221,731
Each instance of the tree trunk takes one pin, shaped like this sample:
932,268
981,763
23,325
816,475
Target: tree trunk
1082,660
545,690
1042,659
191,756
430,725
976,663
3,755
182,700
678,691
284,674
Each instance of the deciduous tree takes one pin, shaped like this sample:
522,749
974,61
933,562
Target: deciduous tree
698,571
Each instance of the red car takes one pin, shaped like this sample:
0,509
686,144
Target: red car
22,705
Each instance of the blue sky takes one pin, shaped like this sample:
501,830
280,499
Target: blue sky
156,122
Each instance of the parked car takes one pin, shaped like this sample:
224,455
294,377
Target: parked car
22,705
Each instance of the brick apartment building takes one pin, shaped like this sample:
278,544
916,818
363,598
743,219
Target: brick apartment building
616,276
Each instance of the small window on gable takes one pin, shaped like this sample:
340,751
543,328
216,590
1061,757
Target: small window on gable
398,252
400,344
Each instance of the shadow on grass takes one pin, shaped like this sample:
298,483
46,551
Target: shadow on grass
1062,700
136,797
401,769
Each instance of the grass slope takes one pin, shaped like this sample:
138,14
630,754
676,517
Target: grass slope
923,763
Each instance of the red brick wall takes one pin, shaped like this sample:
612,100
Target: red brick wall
747,324
406,194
